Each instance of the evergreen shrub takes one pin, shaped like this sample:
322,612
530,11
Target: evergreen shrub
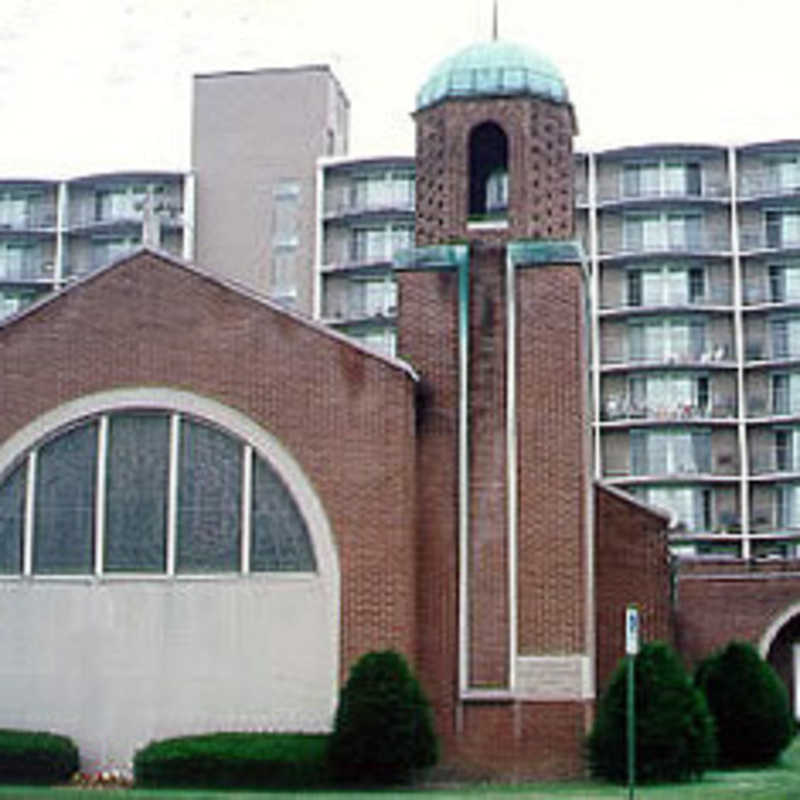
234,760
384,725
749,703
674,729
36,757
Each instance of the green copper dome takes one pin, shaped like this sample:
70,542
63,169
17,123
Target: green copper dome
490,69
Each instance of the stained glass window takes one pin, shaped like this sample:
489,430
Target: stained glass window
209,500
136,493
65,492
12,516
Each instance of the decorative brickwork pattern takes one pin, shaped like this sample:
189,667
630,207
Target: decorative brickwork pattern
539,165
346,416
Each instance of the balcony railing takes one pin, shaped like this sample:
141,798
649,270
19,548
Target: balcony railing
714,190
40,216
765,183
768,460
618,408
343,205
718,294
31,270
620,354
764,350
90,217
760,240
632,245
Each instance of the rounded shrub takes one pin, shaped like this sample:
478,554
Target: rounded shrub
36,757
674,729
384,726
234,760
749,703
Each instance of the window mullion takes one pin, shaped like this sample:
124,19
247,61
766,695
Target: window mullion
247,506
100,495
172,503
30,506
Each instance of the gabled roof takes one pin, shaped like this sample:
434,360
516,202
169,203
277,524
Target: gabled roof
219,280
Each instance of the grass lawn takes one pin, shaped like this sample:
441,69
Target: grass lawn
781,782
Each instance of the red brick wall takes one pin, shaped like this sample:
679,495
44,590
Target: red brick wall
553,460
488,492
720,601
346,416
428,338
631,566
540,168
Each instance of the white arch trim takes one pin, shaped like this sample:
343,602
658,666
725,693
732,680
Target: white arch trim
774,628
226,417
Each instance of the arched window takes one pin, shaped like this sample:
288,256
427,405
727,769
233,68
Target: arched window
488,171
148,491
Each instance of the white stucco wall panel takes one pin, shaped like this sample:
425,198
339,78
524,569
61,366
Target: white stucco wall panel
117,663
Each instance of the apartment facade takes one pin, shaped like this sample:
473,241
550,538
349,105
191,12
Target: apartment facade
52,231
367,217
694,255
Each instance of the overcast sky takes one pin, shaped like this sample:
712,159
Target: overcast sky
103,85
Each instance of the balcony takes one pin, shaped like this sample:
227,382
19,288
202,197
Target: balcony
765,183
717,295
753,242
636,247
773,461
762,352
31,270
339,205
716,355
621,409
717,191
38,216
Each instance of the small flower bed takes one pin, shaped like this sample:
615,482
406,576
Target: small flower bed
103,779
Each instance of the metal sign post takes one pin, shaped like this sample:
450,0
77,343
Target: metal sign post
631,650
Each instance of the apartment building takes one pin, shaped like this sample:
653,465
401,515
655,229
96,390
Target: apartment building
256,138
367,216
53,231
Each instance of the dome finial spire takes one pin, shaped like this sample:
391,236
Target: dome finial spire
494,22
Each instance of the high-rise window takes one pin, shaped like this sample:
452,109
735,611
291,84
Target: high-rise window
691,506
669,394
785,337
665,178
670,452
667,231
782,228
664,286
786,393
666,340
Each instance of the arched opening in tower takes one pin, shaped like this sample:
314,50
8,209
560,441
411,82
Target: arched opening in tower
488,171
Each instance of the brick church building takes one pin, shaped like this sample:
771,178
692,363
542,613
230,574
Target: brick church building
210,506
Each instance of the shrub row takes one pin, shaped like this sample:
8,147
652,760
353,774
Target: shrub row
36,757
735,710
235,760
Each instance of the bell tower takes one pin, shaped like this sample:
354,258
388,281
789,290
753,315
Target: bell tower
492,315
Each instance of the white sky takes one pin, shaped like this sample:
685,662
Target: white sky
103,85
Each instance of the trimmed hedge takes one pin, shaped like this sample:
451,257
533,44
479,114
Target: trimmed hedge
36,757
234,760
674,729
384,724
749,703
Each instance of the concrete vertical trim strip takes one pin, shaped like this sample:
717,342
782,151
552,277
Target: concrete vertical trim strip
738,334
30,505
511,465
247,517
172,495
189,215
594,299
62,208
100,494
463,475
316,278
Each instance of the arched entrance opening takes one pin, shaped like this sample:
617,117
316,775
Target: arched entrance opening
780,646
